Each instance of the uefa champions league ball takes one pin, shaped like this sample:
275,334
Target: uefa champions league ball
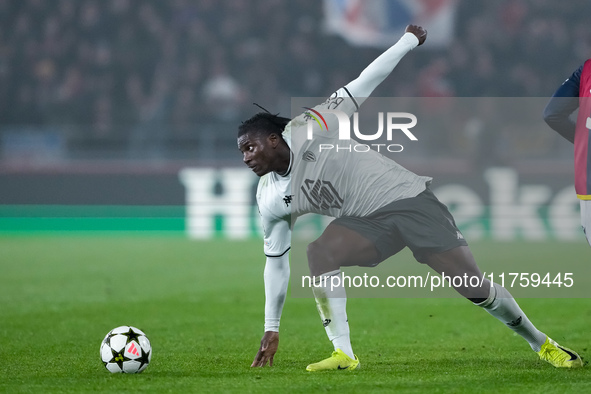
126,349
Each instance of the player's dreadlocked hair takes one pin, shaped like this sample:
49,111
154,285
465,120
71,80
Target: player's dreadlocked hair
263,123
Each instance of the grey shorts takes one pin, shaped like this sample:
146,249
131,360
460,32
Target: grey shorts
422,223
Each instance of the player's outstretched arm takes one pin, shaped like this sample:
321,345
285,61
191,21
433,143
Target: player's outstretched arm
276,282
379,69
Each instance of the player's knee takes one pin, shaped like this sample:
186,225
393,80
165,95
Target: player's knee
320,259
477,300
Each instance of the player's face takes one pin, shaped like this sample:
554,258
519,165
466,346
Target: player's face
257,153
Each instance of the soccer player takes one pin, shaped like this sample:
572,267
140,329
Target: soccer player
380,207
575,93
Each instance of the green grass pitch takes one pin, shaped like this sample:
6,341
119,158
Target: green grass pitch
201,304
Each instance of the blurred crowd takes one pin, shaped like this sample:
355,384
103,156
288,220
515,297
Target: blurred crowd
114,66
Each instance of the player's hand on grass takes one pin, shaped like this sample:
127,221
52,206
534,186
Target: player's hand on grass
417,31
269,345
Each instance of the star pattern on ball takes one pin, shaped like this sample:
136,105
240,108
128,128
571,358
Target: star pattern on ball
132,335
144,358
118,358
125,349
107,339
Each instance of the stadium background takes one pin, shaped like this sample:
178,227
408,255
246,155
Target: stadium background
104,103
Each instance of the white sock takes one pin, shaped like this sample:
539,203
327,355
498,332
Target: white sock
332,306
501,305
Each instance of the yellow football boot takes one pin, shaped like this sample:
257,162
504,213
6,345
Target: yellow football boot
559,356
338,360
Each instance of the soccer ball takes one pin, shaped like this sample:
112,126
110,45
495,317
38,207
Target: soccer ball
126,349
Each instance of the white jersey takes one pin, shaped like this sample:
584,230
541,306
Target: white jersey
274,199
331,183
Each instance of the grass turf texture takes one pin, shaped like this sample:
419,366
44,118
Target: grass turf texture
201,304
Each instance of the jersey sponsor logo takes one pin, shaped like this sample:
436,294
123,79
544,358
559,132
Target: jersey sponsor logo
322,194
309,156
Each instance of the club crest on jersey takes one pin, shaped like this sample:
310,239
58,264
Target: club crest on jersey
322,194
